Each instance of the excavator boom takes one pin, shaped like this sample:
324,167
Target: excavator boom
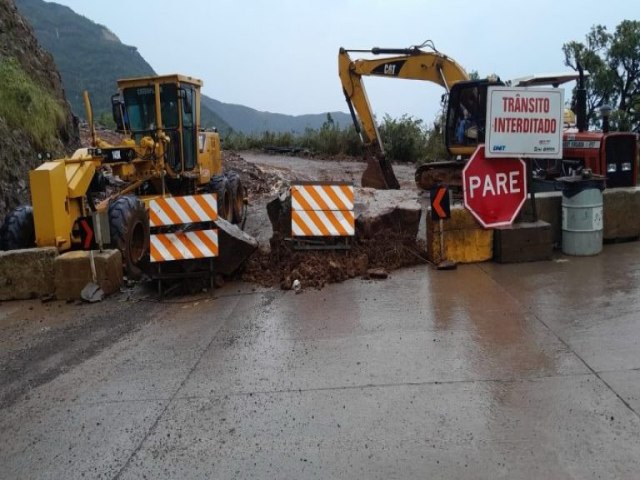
409,63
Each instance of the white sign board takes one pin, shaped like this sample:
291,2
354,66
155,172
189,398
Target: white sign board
524,122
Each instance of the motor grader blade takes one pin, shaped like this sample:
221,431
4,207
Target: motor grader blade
379,174
447,173
236,247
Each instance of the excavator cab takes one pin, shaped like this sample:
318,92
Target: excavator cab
466,115
161,107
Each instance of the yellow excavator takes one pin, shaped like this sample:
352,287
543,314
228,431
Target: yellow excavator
102,192
613,154
465,111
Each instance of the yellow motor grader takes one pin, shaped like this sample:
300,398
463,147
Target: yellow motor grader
101,192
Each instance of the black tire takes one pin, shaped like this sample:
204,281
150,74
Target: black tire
237,196
220,187
129,227
18,231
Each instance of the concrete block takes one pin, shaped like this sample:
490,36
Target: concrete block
73,272
523,242
549,208
621,219
620,206
27,273
465,240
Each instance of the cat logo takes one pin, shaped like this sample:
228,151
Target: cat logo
389,69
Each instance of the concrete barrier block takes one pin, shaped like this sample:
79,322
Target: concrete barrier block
27,273
619,204
523,242
549,209
465,240
621,219
73,272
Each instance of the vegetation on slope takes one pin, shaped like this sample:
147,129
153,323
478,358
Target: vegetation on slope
27,106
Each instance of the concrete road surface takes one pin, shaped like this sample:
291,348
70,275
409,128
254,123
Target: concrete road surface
528,371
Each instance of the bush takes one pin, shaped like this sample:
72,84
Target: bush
27,106
404,139
329,140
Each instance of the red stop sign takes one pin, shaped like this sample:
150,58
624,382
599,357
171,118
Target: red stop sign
494,189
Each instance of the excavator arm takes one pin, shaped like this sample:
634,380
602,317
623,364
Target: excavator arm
410,63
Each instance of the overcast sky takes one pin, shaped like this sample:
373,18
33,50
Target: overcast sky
281,55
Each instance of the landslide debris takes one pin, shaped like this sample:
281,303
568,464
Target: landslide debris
282,265
386,239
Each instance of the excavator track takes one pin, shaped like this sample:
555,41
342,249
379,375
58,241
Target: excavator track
447,173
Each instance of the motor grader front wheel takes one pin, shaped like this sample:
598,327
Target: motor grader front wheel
129,227
220,186
237,196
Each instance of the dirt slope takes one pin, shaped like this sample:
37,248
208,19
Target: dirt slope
19,50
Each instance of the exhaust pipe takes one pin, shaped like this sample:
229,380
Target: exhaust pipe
581,101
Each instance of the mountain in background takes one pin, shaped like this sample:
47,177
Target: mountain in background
248,120
91,57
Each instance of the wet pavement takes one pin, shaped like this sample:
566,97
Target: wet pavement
521,371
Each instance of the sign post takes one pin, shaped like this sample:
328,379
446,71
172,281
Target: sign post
441,209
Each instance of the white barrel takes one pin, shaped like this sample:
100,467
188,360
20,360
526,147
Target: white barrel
582,222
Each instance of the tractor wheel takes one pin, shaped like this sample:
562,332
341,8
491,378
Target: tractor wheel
18,230
237,196
220,187
129,226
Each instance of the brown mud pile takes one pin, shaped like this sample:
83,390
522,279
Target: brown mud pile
283,265
279,264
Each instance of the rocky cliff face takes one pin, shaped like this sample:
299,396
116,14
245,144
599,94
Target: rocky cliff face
35,118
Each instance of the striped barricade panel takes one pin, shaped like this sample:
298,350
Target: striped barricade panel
322,210
167,247
188,245
179,210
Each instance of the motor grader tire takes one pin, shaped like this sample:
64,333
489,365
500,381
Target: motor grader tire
237,196
18,230
129,227
220,186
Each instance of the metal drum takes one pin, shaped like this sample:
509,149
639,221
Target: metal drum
582,215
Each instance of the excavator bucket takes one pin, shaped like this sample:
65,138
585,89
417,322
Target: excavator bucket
379,174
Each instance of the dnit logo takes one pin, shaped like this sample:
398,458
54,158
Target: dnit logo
498,148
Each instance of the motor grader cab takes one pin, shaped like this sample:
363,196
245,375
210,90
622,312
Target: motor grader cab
100,193
605,153
165,111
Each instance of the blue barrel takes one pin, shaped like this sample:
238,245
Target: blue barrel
582,215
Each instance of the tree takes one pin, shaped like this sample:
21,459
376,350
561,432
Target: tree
613,62
404,139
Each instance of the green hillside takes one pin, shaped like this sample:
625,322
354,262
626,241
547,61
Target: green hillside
248,120
89,56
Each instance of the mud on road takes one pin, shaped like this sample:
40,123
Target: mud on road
41,340
277,263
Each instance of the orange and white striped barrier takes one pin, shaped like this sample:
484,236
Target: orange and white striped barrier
322,210
188,209
188,245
